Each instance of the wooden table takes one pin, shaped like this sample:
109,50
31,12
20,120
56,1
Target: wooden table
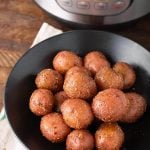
20,21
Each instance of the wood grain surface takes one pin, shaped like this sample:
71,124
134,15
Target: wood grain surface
20,21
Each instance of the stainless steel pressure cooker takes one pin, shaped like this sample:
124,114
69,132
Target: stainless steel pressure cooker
96,12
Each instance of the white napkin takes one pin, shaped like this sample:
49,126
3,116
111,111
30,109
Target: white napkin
8,140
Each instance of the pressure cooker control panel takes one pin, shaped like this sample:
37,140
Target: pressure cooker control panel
94,7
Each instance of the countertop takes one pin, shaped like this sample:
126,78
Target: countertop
20,21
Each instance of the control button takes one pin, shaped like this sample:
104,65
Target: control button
119,4
83,5
66,3
101,6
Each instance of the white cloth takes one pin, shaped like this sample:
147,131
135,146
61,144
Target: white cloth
8,140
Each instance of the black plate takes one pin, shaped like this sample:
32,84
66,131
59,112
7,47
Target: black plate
20,84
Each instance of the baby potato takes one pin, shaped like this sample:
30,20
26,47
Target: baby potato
65,60
41,102
110,105
107,78
109,136
127,72
136,109
95,60
79,85
49,79
77,69
80,140
77,113
54,128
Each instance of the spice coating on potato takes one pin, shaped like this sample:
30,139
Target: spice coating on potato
65,60
136,109
95,60
87,101
80,140
128,73
79,85
107,78
41,102
109,136
49,79
60,97
54,128
77,69
110,105
77,113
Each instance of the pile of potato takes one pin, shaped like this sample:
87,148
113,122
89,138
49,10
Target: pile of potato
78,91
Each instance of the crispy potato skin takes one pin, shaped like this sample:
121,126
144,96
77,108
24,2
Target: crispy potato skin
107,78
77,69
109,136
65,60
79,85
49,79
110,105
80,140
54,128
137,107
77,113
41,102
95,60
127,72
